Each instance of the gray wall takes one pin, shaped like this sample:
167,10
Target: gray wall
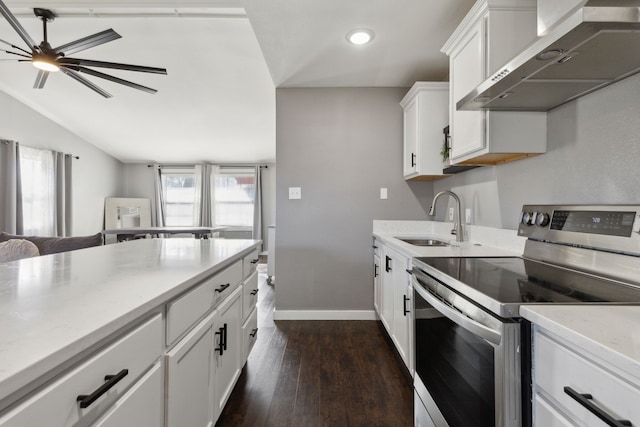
593,156
340,146
96,175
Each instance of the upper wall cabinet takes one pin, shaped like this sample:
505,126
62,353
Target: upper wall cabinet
426,114
492,33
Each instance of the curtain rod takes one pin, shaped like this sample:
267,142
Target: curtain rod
189,165
6,141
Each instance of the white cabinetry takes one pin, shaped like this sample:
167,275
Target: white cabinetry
376,275
395,302
426,114
123,363
491,34
570,386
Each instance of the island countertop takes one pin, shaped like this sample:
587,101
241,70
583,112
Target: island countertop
55,307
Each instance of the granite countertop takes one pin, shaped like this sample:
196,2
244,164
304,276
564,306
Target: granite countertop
608,333
54,307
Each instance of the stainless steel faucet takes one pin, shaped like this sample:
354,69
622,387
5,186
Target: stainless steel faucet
457,226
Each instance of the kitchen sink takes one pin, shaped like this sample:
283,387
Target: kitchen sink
423,242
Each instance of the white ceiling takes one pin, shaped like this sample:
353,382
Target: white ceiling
217,102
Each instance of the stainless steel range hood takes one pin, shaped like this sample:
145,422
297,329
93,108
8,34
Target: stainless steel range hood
592,47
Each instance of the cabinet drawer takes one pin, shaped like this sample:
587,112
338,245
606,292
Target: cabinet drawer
57,404
249,263
186,310
142,406
557,367
547,415
249,294
249,335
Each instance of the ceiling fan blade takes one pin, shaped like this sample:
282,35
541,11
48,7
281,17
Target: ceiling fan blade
16,53
4,10
41,79
115,65
87,42
79,78
110,78
15,47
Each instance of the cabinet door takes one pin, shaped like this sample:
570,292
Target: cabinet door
190,380
386,288
228,363
467,65
142,406
402,307
376,283
410,138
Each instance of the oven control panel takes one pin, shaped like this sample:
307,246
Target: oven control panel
615,227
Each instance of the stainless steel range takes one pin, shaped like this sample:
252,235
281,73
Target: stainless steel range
473,349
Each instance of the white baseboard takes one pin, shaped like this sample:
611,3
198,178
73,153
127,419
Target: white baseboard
324,315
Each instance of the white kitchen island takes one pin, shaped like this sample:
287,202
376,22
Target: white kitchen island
61,314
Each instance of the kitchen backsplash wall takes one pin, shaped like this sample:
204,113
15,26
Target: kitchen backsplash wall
592,156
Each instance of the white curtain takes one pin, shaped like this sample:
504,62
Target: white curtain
10,188
38,181
158,213
257,205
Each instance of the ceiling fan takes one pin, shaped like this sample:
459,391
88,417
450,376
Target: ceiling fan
51,59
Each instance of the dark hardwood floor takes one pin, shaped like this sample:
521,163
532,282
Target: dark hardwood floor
318,373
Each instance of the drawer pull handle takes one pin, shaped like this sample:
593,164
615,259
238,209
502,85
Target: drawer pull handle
254,292
111,380
254,332
405,310
222,287
387,263
222,343
255,261
584,399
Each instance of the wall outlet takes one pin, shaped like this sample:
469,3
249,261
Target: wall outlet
467,216
383,193
450,214
295,193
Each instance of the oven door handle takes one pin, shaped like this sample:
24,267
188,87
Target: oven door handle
457,317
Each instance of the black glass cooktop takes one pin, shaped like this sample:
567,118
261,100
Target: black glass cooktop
513,280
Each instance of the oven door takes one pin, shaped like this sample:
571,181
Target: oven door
467,361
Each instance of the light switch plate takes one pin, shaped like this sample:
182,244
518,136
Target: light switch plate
295,193
450,214
383,193
467,216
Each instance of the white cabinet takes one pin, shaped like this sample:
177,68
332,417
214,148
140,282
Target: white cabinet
142,406
491,34
395,302
563,376
426,114
123,363
190,376
227,362
376,275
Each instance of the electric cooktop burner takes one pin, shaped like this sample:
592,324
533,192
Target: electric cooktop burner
513,280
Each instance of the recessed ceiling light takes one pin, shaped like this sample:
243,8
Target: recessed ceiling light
360,36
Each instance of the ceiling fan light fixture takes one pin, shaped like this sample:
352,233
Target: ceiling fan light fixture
45,63
360,36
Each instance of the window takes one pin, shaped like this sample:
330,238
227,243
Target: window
234,194
38,191
179,192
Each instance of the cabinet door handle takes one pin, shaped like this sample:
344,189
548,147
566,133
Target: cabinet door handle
221,347
225,337
255,260
408,271
111,380
222,287
374,247
254,332
254,292
584,399
404,305
413,159
387,262
375,270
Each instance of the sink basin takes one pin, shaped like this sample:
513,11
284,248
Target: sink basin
423,242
